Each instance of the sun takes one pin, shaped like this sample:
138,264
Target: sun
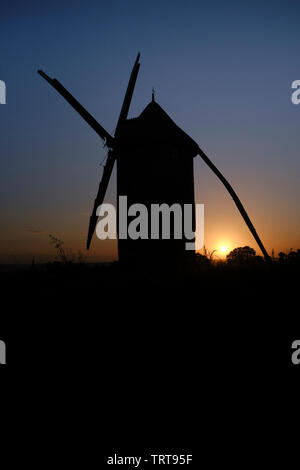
224,249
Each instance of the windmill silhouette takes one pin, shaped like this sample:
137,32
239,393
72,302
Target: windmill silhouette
154,165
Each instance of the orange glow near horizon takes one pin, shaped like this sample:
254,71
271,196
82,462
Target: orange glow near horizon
223,248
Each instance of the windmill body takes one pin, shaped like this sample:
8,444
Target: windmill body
155,166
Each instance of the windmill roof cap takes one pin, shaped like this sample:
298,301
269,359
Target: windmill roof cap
155,126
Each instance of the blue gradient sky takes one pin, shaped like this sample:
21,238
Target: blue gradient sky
222,71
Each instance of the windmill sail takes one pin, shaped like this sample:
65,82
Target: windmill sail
129,92
236,201
79,108
108,168
112,154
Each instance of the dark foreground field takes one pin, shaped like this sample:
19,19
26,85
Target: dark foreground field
184,306
157,348
203,284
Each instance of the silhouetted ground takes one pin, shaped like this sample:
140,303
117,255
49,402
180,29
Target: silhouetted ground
276,278
153,346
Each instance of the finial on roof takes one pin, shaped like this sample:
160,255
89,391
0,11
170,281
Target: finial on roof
153,95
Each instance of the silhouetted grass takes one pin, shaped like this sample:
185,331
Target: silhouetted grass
242,274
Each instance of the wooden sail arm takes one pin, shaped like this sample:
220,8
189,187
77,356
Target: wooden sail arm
236,201
109,140
108,168
129,92
112,154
